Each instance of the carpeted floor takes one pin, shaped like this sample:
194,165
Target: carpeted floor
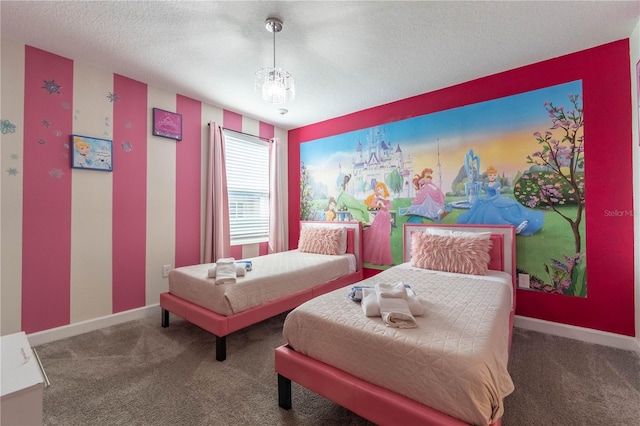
138,373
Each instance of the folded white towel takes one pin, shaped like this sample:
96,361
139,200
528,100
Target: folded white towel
392,290
394,308
226,270
414,303
240,270
371,308
369,302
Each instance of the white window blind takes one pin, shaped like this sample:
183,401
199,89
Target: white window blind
247,163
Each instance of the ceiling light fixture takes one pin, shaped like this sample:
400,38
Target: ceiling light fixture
275,84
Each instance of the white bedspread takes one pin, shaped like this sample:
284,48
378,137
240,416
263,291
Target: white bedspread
454,361
272,277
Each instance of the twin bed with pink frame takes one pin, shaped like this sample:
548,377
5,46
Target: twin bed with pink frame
380,373
195,297
425,375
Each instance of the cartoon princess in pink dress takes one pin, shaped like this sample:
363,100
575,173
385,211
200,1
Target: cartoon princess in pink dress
429,200
377,237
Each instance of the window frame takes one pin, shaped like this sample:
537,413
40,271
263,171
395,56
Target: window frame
247,173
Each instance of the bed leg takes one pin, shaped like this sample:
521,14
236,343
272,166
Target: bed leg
284,392
221,348
165,318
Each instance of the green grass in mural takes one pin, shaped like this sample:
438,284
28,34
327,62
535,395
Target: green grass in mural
553,241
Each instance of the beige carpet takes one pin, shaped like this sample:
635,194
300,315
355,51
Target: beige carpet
141,374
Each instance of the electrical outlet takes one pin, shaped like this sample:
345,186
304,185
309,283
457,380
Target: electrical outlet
165,270
523,281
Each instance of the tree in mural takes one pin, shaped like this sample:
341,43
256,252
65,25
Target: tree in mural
306,194
394,181
555,180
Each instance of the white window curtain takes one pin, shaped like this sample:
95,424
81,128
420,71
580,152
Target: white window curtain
276,209
217,240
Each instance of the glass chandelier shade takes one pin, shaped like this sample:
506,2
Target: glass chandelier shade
275,85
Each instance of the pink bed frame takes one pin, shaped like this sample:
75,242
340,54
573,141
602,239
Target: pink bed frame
221,325
372,402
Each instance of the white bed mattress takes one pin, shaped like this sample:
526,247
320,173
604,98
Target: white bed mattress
455,360
272,277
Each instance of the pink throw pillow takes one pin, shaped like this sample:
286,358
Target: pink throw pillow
451,253
320,240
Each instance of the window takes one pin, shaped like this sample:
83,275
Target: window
247,163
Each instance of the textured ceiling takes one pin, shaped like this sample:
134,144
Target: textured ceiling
344,56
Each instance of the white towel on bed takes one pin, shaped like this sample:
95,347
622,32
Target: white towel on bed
371,308
226,270
394,307
240,270
369,302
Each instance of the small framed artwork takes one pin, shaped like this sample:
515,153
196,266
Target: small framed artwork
167,124
91,153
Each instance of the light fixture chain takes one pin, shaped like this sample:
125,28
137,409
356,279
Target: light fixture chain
275,85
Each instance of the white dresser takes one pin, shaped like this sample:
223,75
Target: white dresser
21,382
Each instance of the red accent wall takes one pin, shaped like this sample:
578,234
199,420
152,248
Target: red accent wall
606,83
46,224
188,183
129,194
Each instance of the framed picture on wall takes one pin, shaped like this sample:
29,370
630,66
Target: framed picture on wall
167,124
91,153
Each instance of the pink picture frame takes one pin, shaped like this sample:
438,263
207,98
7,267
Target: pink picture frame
167,124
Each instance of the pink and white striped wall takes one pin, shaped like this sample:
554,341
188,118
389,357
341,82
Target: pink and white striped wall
82,244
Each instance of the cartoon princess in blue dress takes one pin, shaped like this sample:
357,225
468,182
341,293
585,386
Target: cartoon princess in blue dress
496,209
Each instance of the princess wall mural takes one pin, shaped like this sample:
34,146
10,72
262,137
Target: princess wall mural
517,160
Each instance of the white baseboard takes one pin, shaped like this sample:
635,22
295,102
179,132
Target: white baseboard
579,333
70,330
556,329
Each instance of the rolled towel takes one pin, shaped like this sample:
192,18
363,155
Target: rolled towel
240,271
355,293
394,308
226,271
248,265
371,308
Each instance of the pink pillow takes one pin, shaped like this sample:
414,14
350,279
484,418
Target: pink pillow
320,240
463,254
